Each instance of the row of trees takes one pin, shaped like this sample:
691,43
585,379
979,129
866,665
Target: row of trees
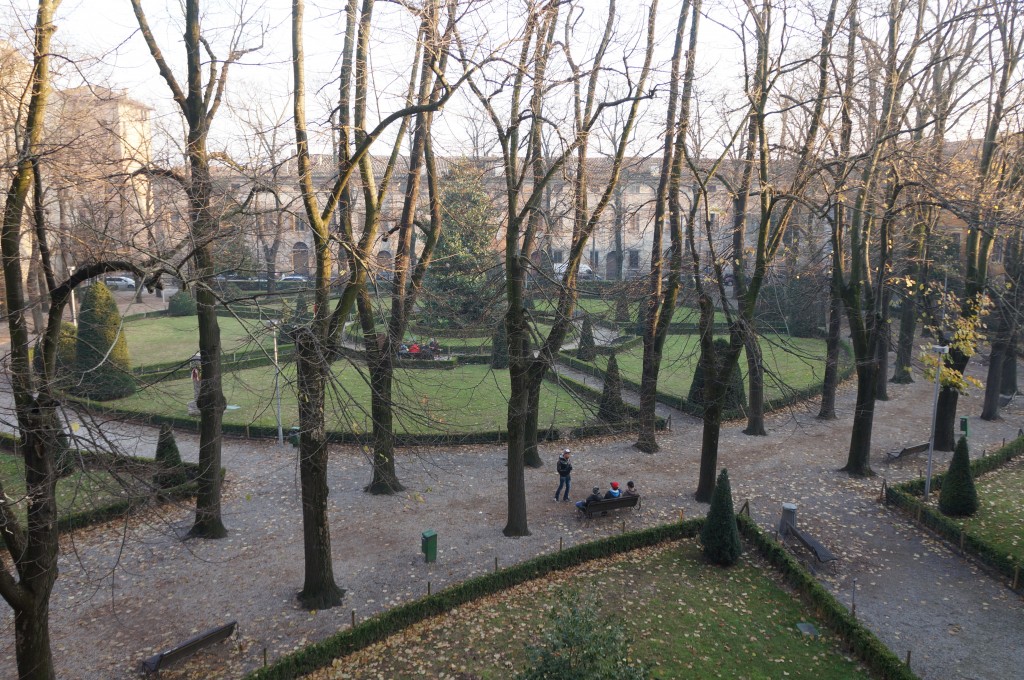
842,122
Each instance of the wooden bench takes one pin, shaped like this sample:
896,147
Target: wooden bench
896,454
605,504
186,649
822,553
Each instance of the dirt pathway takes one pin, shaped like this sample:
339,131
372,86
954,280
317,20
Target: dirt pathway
130,589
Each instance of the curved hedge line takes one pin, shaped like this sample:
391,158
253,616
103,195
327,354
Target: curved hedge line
869,648
906,496
682,404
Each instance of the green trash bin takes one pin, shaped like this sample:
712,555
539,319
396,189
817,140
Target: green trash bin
428,544
965,426
293,437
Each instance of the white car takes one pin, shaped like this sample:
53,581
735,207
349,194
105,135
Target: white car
584,273
119,282
295,278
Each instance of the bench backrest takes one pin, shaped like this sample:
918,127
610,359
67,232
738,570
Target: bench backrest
612,503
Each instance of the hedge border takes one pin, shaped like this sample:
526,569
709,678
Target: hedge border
870,650
682,404
906,497
84,518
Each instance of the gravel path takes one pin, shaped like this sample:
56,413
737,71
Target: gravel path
130,589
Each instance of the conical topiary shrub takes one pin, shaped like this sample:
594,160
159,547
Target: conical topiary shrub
587,350
612,410
622,309
172,471
958,497
499,346
735,395
102,365
720,535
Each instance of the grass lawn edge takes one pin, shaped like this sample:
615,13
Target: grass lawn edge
865,646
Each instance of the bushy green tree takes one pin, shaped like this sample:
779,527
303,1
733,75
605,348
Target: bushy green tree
735,395
720,535
181,304
499,346
580,643
102,364
587,349
612,410
172,470
958,497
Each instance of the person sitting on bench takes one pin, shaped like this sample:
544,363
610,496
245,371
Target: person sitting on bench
594,496
613,492
630,489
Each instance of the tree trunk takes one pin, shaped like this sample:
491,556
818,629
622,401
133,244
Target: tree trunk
646,440
32,639
945,414
531,456
518,408
211,405
858,461
831,380
319,590
385,477
712,421
755,378
882,356
905,345
994,379
1009,379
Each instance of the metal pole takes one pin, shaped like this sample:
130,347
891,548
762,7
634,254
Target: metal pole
277,391
74,310
935,409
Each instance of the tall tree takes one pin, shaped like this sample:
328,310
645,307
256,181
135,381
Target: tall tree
205,81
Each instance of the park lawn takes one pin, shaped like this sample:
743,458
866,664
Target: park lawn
176,338
464,400
1000,517
789,363
687,619
78,492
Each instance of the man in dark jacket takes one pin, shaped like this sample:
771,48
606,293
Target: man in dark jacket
564,469
594,496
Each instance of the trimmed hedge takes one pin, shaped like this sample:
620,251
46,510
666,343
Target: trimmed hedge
906,497
872,653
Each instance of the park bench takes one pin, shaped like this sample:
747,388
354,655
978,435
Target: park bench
605,504
186,649
822,553
896,454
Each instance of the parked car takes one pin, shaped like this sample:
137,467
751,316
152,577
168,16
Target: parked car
119,282
295,278
584,273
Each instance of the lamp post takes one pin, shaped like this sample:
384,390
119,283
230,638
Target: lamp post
273,325
941,351
74,310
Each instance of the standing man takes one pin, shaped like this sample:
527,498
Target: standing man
564,469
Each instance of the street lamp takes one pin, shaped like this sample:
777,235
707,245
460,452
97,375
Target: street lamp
74,312
272,325
941,351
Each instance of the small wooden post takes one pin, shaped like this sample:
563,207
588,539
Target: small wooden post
559,544
428,588
961,541
1016,576
682,515
908,658
881,496
247,431
264,657
495,563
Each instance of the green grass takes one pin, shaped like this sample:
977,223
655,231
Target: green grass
1000,518
176,338
686,620
789,363
604,308
464,400
80,491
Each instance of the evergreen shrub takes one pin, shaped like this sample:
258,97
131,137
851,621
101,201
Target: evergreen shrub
102,363
958,497
720,536
499,346
181,304
612,410
172,471
587,350
735,395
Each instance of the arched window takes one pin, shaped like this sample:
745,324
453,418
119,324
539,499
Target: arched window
300,258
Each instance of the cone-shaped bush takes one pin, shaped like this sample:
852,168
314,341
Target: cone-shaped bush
611,409
735,395
101,358
958,497
587,350
641,318
720,535
622,309
499,346
172,472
